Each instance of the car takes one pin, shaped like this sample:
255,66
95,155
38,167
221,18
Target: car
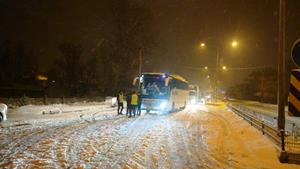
3,112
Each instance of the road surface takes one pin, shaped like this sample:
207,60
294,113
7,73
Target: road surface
198,137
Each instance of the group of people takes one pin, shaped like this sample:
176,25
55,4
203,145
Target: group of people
133,101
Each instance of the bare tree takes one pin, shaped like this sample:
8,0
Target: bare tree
69,66
114,63
132,32
260,85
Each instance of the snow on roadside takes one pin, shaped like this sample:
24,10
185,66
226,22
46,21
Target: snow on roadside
55,112
246,145
229,141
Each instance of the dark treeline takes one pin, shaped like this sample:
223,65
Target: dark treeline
260,85
75,72
16,63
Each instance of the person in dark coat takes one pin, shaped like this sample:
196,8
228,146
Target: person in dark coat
128,101
120,99
139,104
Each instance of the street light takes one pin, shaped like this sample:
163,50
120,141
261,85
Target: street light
234,44
41,78
206,68
224,67
202,45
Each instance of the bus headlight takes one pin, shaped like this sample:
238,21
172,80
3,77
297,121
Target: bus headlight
163,105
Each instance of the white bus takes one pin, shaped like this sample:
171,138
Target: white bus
194,94
162,92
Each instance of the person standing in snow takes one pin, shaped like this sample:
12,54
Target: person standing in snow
139,105
120,99
128,101
134,103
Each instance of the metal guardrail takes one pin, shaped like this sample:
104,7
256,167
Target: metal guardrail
291,138
261,125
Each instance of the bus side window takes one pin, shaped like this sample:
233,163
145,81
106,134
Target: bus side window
172,84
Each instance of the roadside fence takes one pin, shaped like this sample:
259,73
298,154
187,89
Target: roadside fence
268,126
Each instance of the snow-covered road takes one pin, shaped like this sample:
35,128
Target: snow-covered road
198,137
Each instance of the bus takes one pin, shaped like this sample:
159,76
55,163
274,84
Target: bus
194,94
162,92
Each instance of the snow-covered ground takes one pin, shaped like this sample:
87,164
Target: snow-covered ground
37,113
93,136
268,113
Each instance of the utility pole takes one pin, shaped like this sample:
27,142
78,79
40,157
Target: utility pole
262,86
140,64
281,80
217,74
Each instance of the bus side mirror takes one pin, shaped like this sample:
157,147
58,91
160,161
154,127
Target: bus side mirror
135,80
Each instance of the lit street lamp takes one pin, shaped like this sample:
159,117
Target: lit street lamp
202,45
224,67
234,44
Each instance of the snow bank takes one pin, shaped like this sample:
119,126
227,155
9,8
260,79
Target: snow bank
21,101
230,141
35,113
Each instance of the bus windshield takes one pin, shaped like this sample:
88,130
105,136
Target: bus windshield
192,93
154,87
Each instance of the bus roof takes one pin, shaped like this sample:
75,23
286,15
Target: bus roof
177,77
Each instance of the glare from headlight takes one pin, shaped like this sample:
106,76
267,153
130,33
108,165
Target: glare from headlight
193,101
163,105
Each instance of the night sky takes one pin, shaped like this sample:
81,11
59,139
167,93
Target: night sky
179,25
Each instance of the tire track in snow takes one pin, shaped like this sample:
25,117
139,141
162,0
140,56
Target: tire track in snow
196,153
223,157
148,141
86,143
132,140
27,143
15,137
20,141
47,142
